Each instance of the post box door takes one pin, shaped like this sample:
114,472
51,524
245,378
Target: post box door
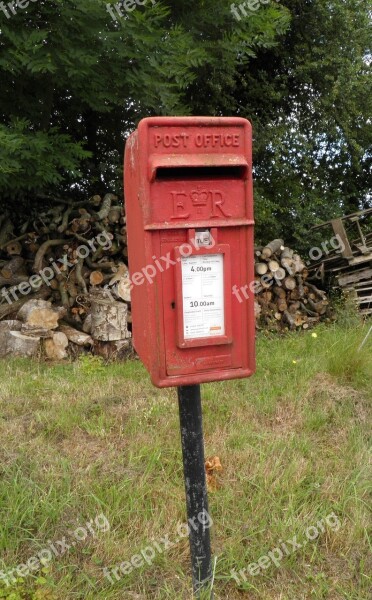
191,342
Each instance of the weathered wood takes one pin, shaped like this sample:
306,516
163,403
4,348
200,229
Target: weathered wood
12,267
39,332
354,277
40,314
109,320
10,325
272,248
279,291
56,347
13,307
288,318
15,343
87,326
123,289
15,280
74,335
38,263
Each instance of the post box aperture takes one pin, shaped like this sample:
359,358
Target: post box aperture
189,207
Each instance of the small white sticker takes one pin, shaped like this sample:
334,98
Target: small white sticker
203,296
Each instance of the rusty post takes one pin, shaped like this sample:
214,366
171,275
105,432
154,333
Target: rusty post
191,423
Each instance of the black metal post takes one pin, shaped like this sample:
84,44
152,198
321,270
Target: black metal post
191,423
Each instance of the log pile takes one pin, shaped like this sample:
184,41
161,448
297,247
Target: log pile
65,287
284,297
73,257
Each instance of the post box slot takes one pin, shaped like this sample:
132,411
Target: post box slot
202,172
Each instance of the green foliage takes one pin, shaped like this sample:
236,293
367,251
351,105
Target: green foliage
310,99
36,588
91,365
75,82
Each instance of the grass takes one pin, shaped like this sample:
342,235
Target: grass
83,439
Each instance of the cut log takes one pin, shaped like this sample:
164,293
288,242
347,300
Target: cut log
299,265
272,248
38,332
40,314
15,343
96,278
289,283
279,291
74,335
106,206
286,253
87,326
13,308
320,293
12,267
56,347
109,320
123,289
318,307
13,248
38,263
280,274
294,307
10,325
289,265
288,318
261,268
273,266
114,215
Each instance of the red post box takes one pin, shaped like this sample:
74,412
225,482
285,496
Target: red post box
189,207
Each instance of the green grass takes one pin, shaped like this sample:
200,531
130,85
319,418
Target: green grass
82,439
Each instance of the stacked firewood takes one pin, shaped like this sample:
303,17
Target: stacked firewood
285,299
71,256
65,287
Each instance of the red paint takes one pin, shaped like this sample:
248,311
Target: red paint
181,175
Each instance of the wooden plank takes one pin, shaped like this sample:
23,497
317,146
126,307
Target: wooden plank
360,213
366,311
339,229
354,277
364,299
357,260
